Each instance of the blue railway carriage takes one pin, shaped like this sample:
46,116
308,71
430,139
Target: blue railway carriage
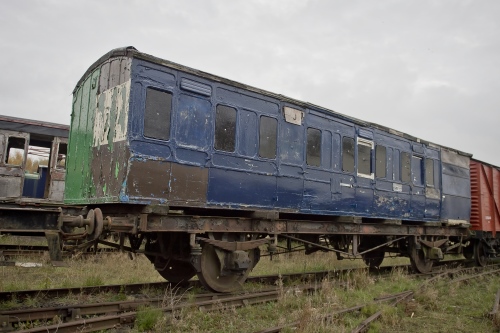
205,171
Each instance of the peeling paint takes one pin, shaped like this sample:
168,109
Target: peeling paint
112,103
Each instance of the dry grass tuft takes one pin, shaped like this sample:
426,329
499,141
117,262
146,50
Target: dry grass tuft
428,297
359,279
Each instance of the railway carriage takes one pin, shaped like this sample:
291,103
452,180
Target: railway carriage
24,141
205,171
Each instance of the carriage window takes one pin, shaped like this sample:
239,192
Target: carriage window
347,154
405,167
313,156
61,156
416,169
157,114
15,151
380,162
225,128
429,172
267,137
364,157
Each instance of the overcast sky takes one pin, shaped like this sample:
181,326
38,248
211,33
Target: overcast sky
427,68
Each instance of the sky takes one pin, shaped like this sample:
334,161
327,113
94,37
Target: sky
427,68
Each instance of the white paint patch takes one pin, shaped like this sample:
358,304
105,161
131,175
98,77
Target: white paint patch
115,102
122,107
397,187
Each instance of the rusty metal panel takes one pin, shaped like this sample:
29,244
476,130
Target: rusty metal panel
485,197
188,183
340,226
148,179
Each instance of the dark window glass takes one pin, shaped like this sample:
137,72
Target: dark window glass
157,114
429,172
348,154
267,137
364,160
313,156
380,162
225,128
405,167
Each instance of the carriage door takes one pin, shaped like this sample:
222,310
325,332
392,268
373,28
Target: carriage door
57,169
365,175
417,186
13,152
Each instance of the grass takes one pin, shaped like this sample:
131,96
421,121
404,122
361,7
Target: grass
441,306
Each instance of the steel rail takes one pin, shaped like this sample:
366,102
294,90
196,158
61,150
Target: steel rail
114,321
77,311
138,287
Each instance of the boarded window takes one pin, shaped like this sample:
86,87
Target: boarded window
15,151
405,167
348,154
364,157
157,114
225,128
429,172
380,162
267,137
313,156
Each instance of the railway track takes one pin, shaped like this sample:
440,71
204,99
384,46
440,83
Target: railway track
136,288
70,316
101,316
82,317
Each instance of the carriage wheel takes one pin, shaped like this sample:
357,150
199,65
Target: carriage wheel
212,277
177,271
479,254
417,259
468,251
173,270
373,259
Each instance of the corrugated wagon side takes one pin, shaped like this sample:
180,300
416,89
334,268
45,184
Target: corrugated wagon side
485,210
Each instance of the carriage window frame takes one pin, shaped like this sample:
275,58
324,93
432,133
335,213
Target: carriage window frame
313,147
380,161
419,160
405,167
361,153
226,119
348,154
159,127
12,142
62,154
268,139
429,172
